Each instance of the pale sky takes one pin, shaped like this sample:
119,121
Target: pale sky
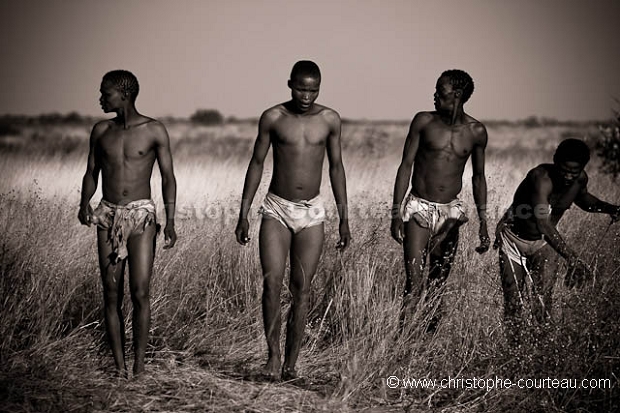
379,59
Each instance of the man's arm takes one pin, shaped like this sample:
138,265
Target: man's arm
254,174
404,171
479,185
91,177
543,187
168,182
337,177
590,203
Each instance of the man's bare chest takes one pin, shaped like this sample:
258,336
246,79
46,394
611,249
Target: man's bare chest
124,145
562,198
456,141
300,132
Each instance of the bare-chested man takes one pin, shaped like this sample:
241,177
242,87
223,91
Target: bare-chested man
300,132
528,240
427,222
125,149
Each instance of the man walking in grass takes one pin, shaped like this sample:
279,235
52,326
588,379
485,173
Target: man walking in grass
528,241
437,147
301,132
124,150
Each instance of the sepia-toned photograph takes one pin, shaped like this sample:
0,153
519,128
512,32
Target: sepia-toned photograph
274,206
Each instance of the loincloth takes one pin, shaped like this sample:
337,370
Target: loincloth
516,249
438,218
122,221
293,215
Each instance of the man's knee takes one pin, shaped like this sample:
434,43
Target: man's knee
300,288
272,285
511,293
111,289
415,264
512,304
140,296
445,252
111,298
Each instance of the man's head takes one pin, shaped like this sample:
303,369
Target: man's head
304,83
571,156
454,87
124,82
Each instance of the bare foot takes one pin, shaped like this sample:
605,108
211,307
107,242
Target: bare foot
271,370
289,374
138,370
121,374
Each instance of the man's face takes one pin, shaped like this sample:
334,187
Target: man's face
304,91
569,171
445,95
111,97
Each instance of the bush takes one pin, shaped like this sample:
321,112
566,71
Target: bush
8,129
207,117
608,147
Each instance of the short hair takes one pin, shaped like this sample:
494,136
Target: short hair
572,150
305,68
460,79
125,81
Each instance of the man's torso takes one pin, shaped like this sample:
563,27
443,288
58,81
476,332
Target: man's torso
126,157
441,157
523,208
298,152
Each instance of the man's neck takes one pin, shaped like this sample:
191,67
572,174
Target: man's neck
127,116
456,117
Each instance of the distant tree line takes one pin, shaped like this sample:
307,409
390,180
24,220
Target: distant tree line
71,118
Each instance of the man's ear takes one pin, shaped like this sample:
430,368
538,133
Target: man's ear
290,84
458,93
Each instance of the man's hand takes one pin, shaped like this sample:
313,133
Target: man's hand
86,215
485,241
615,216
397,229
345,236
578,272
170,235
242,230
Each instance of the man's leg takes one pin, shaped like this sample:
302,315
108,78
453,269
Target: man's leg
306,248
513,279
112,280
544,272
441,260
141,249
274,244
415,244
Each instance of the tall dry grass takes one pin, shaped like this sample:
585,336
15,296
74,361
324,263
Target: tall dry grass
206,341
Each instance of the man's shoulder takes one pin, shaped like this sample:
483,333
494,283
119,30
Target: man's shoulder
273,113
477,128
329,114
152,123
423,118
425,115
540,173
152,128
102,127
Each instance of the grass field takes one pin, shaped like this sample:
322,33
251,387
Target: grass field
207,344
